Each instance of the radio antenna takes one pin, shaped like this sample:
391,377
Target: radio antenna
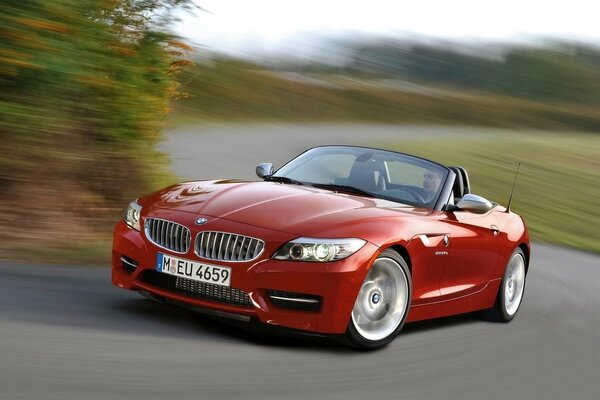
513,189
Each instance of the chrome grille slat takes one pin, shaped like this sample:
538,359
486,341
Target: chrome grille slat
182,239
226,249
249,247
202,239
241,249
151,226
172,236
233,245
157,230
168,235
220,250
224,246
157,226
207,245
161,236
214,247
256,247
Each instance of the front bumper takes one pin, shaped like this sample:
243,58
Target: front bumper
335,284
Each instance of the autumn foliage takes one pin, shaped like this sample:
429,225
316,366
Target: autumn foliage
84,88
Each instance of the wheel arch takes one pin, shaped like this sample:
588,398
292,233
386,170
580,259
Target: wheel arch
403,252
526,251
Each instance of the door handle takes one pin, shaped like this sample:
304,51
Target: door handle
435,240
495,230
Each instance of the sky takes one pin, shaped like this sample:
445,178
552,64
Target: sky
234,26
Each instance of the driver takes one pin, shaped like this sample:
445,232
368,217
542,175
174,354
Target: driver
431,183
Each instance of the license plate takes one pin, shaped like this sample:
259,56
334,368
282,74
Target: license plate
193,270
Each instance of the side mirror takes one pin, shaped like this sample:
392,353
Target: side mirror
475,204
263,170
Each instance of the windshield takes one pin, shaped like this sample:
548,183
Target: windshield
378,173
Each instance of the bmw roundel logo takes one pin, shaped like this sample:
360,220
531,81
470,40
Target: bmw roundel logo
201,221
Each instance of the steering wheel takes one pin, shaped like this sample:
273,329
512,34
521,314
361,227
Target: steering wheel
413,193
417,196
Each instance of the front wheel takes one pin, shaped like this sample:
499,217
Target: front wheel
511,290
382,303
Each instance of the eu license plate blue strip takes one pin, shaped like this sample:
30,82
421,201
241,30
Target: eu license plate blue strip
159,262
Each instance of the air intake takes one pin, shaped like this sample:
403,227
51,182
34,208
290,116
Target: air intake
295,301
195,289
129,264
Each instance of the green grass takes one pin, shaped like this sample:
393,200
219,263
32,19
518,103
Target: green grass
558,188
235,91
82,252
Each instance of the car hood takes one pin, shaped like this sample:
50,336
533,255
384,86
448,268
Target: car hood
296,209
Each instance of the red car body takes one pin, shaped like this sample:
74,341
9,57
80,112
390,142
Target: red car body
456,258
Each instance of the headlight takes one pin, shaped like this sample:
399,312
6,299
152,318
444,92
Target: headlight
318,250
132,215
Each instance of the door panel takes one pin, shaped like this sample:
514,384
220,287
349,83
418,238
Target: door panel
472,255
428,255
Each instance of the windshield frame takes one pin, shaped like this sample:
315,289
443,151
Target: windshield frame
437,203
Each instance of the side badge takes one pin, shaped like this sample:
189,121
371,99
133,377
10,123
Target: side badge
201,221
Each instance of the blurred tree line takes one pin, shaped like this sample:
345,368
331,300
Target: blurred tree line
557,72
84,86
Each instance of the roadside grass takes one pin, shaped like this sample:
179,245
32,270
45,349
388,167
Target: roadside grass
81,234
558,189
81,252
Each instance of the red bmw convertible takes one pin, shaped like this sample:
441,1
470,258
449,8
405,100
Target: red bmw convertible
344,241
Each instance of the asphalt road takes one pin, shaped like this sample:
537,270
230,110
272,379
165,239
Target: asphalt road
234,151
66,333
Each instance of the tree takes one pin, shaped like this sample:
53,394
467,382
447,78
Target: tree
85,85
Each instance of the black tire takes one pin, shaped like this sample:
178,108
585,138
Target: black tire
376,302
505,309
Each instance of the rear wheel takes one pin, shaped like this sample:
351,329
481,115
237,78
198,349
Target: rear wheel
510,293
382,303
